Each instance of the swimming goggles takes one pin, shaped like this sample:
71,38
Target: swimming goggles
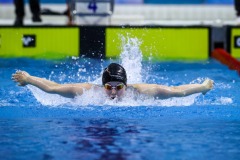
117,87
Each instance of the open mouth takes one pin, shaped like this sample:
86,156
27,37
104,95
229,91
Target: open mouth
113,97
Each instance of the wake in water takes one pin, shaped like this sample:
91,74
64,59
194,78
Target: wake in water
131,60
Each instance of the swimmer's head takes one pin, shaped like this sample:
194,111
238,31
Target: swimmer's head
114,72
114,79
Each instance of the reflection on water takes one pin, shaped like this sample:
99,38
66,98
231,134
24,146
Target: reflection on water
118,139
100,138
66,139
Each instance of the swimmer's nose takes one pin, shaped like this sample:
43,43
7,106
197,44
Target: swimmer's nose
114,91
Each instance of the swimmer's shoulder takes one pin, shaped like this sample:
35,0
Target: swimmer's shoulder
137,85
140,87
88,85
130,86
97,85
134,86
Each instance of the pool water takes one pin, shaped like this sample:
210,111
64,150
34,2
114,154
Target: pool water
37,125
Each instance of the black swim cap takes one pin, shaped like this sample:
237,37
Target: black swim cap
114,72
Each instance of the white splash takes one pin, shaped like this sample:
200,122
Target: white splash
225,100
216,101
48,99
131,59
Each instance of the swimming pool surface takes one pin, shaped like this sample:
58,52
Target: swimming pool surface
36,125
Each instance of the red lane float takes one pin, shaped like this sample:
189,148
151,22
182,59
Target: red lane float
225,58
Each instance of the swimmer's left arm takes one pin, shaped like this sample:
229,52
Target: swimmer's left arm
163,92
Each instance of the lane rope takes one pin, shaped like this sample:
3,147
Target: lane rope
225,58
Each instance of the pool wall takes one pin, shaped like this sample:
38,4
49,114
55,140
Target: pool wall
158,42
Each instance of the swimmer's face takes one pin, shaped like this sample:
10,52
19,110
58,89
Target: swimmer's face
114,89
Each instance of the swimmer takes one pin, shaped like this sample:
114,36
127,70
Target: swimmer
114,84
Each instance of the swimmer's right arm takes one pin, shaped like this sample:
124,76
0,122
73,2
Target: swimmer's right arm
66,90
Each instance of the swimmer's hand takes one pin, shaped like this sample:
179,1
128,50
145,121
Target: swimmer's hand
208,85
21,77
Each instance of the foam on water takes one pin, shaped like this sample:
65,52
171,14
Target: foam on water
131,59
52,100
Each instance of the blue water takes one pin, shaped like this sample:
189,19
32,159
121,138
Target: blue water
35,125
